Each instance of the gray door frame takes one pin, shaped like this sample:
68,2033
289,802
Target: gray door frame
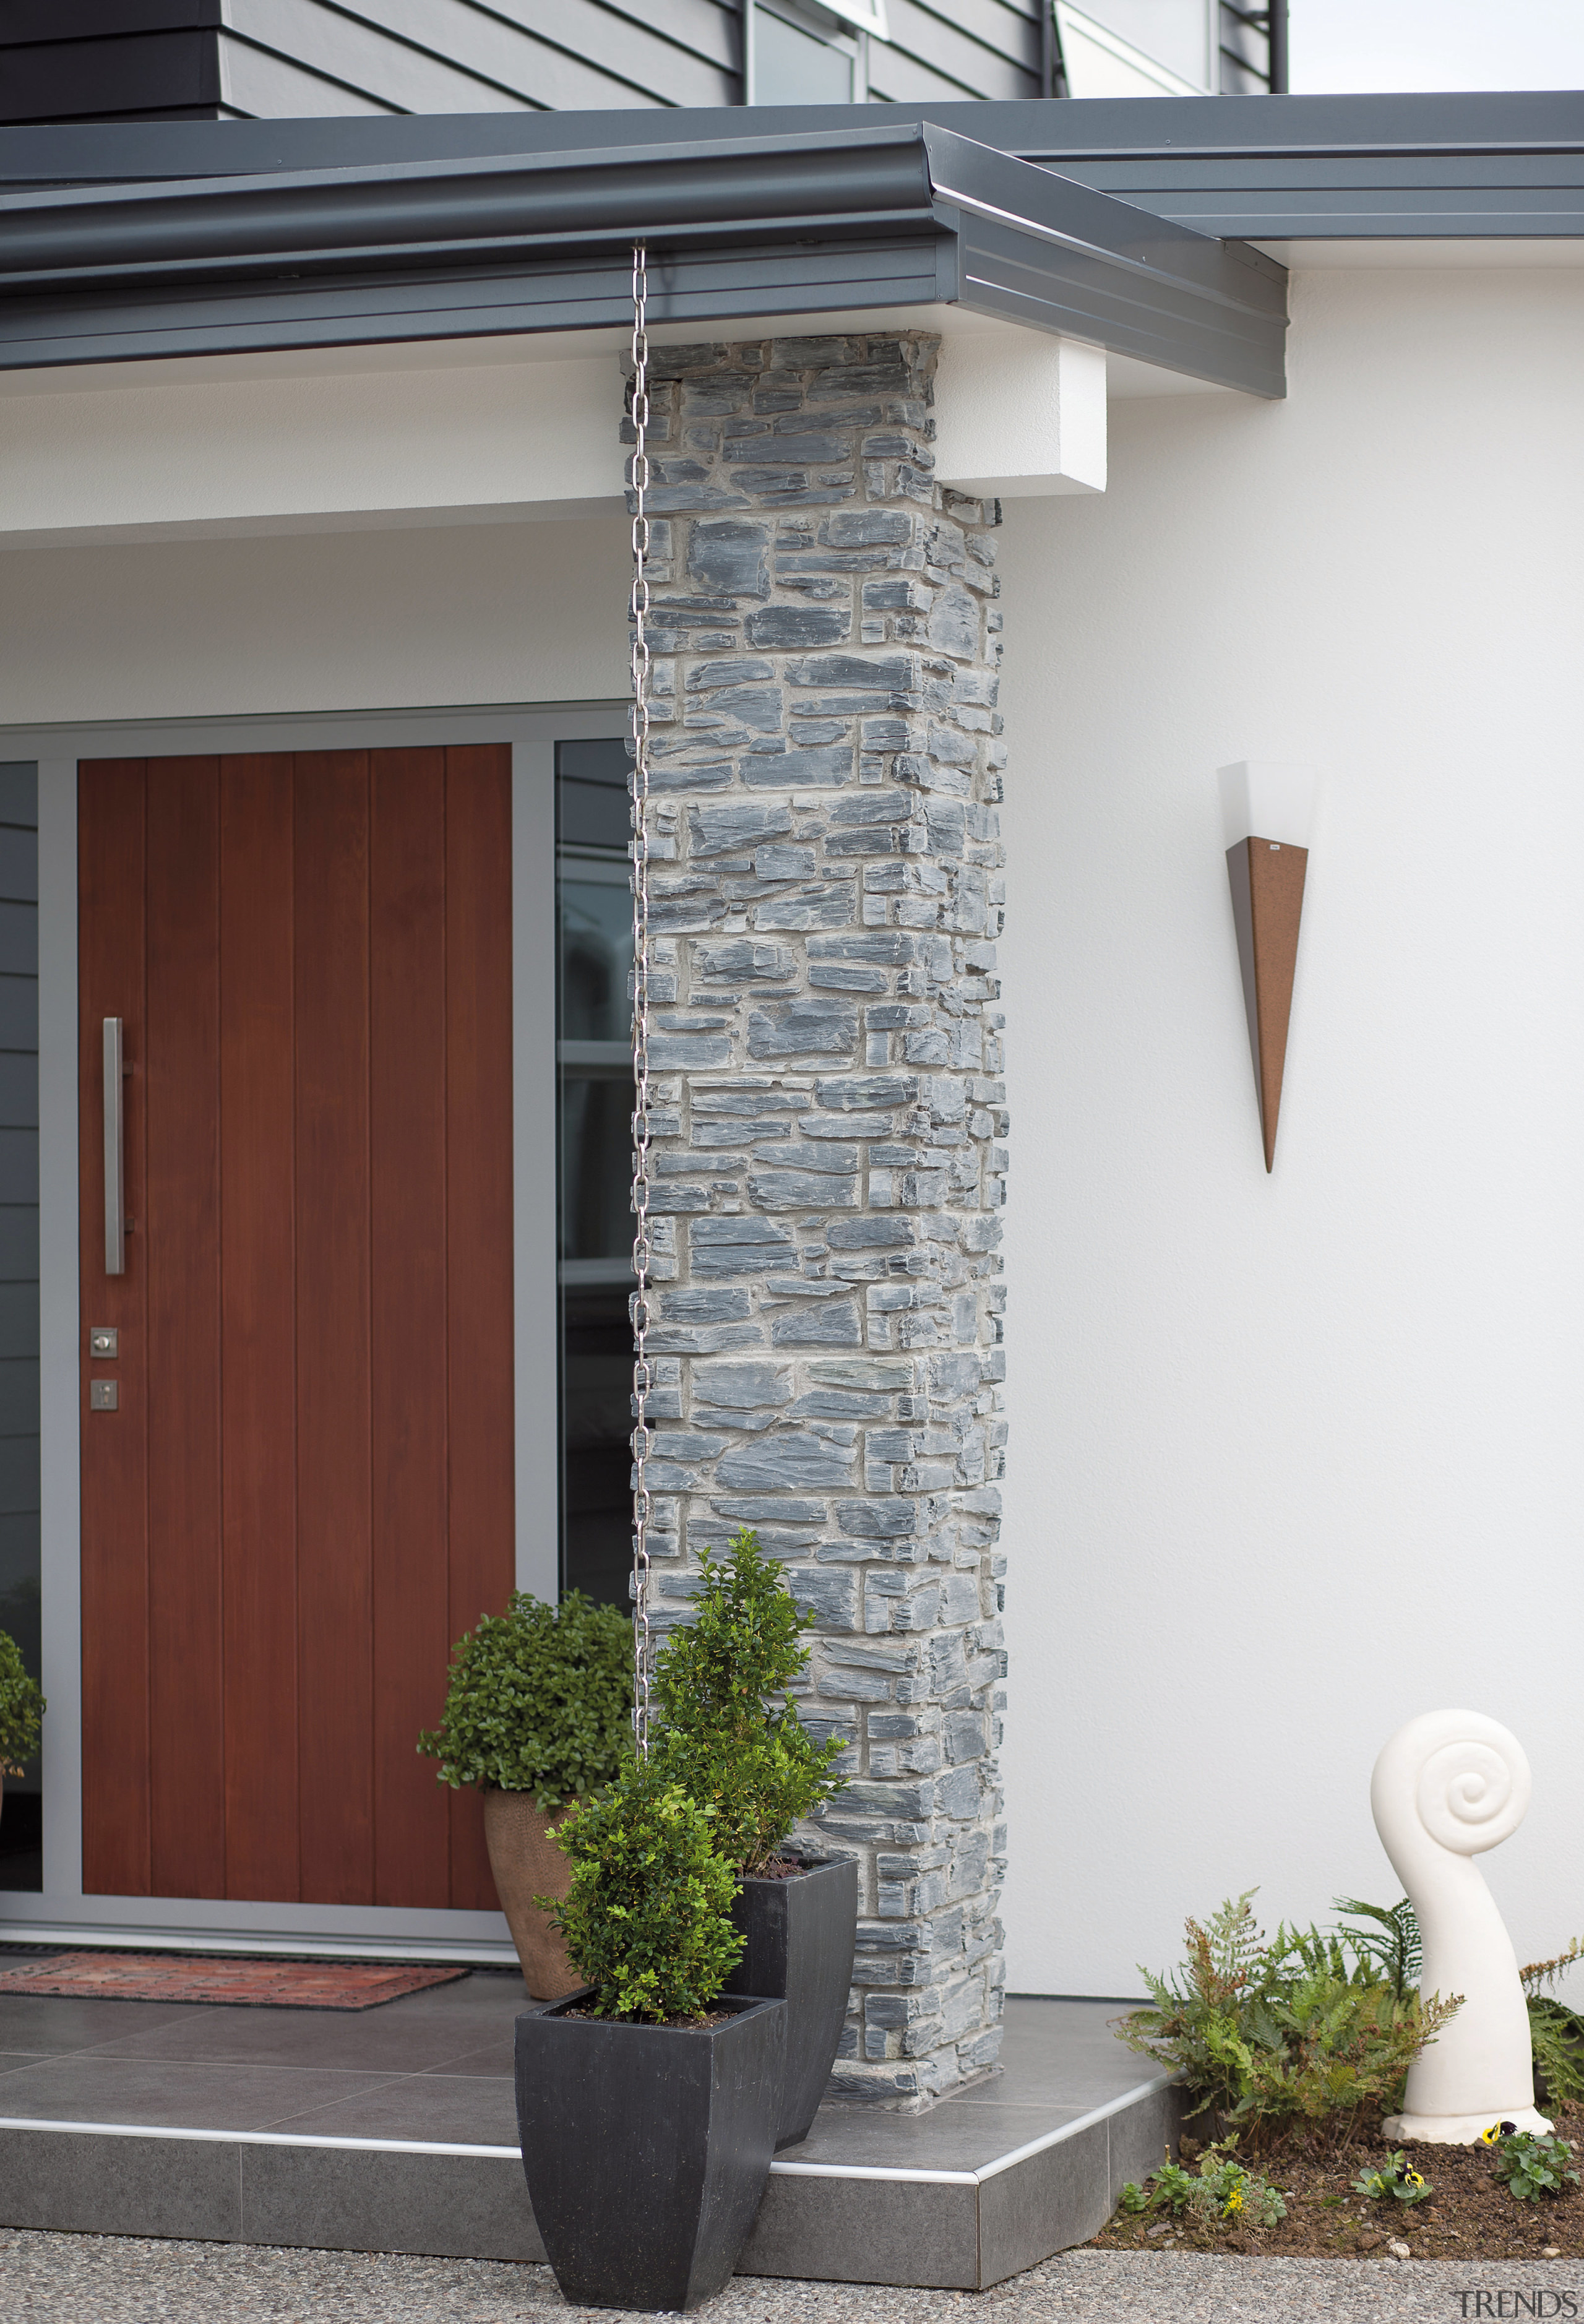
62,1912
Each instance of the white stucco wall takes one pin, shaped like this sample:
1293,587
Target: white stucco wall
1292,1459
345,621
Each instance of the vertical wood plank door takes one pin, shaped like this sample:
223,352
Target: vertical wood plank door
304,1491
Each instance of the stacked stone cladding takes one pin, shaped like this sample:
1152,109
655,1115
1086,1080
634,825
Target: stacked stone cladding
827,1165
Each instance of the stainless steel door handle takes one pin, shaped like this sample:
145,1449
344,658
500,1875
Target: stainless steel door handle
115,1154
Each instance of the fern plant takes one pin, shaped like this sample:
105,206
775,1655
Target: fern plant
1556,2033
1393,1944
1301,2027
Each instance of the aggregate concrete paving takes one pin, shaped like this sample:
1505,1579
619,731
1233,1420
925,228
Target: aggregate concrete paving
61,2279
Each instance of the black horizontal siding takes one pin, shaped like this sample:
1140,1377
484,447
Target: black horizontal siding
461,56
26,21
63,60
107,78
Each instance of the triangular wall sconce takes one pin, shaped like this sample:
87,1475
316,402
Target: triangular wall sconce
1267,810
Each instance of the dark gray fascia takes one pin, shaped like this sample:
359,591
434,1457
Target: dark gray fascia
1506,164
890,214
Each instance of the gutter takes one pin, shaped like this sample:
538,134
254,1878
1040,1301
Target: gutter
897,214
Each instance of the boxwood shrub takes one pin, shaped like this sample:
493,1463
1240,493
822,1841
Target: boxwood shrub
540,1700
21,1709
648,1920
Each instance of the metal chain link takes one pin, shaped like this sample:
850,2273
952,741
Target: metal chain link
642,1255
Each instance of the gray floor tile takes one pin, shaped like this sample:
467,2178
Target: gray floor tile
495,2058
47,2023
170,2093
963,2137
379,2043
480,2111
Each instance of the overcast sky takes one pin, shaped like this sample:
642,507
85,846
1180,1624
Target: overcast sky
1362,44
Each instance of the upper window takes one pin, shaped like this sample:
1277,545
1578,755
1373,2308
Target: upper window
1175,33
806,53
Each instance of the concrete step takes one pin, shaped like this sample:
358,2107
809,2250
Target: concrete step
392,2130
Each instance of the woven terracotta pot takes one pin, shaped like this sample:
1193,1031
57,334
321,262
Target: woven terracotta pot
527,1863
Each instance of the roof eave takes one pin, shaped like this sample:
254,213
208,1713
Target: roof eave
887,214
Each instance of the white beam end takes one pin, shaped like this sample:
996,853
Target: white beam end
1020,416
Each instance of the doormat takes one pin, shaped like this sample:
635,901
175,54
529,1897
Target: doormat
247,1984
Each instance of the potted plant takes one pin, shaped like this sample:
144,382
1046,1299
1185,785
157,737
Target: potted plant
728,1736
647,2101
22,1711
537,1716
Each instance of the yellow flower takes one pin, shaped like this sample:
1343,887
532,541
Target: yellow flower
1414,2178
1234,2202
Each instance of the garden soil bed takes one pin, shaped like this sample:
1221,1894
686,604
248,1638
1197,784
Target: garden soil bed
1470,2215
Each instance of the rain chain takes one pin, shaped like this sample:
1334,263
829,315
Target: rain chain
642,1254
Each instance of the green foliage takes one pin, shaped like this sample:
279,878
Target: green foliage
1532,2166
1393,2182
539,1699
21,1709
1540,1974
717,1734
648,1919
1556,2033
1556,2037
1393,1945
1301,2027
1222,2192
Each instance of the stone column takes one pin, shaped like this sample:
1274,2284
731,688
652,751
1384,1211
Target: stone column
825,773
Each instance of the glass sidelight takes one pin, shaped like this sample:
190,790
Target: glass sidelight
21,1826
594,1096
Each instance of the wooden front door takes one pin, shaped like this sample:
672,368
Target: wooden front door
304,1493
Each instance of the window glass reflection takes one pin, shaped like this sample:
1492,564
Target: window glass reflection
597,1166
793,65
597,956
595,1098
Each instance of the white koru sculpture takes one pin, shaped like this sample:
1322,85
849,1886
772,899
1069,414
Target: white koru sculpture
1446,1787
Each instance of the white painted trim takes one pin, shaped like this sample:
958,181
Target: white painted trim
535,1160
61,1914
259,2138
1076,26
874,2171
989,2170
1021,421
190,1935
864,17
60,1464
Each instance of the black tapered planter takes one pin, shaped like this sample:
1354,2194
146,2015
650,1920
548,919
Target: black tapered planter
800,1934
647,2148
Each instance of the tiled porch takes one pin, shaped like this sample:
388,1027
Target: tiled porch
393,2129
